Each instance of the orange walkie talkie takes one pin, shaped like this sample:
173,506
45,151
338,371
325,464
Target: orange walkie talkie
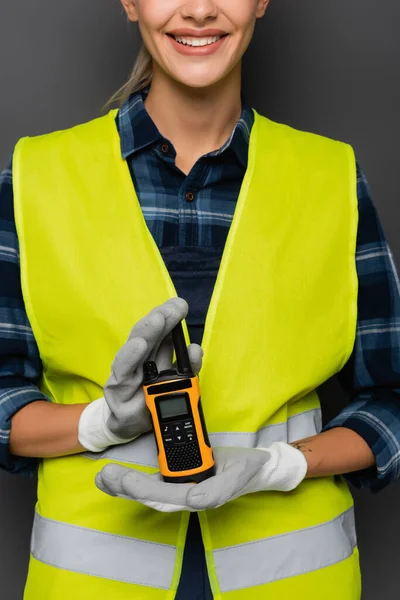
173,398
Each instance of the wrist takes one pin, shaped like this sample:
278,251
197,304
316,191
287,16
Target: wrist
93,433
312,458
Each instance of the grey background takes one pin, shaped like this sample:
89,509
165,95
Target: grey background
329,67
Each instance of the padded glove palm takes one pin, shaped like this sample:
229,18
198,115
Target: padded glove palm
239,471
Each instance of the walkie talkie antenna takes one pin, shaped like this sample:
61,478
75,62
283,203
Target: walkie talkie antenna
182,356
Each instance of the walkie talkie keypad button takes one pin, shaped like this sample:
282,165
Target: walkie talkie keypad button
166,428
188,425
177,428
190,437
169,440
180,438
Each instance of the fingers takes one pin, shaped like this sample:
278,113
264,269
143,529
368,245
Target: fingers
196,357
166,309
132,354
150,334
151,329
142,487
126,374
174,311
155,326
150,490
109,479
164,354
223,487
144,339
163,507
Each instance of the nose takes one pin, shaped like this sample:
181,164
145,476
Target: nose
200,10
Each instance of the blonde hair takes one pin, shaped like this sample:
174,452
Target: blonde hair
140,77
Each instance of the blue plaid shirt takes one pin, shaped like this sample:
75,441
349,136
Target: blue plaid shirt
197,226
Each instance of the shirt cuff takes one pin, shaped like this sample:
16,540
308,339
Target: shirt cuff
377,421
12,399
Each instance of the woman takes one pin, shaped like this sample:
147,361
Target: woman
187,153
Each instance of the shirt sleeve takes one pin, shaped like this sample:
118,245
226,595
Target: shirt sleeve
371,377
20,364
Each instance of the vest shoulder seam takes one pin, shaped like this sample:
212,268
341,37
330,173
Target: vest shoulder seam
86,126
300,132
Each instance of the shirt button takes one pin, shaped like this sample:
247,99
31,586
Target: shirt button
165,148
190,196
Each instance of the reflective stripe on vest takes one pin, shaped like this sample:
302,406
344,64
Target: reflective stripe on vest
142,451
287,555
145,563
102,554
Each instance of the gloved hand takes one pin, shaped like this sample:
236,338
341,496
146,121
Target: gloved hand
122,415
239,471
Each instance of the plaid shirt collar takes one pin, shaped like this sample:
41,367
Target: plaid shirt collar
137,129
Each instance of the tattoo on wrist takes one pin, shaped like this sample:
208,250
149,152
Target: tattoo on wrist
301,446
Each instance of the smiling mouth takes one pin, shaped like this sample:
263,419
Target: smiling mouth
197,42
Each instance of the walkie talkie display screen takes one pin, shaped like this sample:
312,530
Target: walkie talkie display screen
174,406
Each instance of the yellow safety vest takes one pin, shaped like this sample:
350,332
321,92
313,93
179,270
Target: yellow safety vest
281,321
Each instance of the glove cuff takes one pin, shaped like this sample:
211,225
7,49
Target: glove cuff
93,433
286,468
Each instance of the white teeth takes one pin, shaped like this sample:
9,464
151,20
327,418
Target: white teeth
197,41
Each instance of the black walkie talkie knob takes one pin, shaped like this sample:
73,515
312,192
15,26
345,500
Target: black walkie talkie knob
150,372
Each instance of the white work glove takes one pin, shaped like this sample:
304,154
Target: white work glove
122,415
239,471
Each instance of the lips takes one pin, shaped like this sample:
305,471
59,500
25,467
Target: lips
197,50
196,36
187,32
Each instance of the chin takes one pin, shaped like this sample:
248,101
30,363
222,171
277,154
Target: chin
198,82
